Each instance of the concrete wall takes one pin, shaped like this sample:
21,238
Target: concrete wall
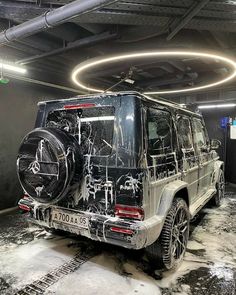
18,107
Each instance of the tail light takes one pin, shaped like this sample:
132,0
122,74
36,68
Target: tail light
129,212
79,106
23,203
122,230
24,207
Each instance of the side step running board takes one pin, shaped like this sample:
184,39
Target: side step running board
198,204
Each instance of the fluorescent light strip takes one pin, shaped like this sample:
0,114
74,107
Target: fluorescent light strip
81,68
12,68
217,106
93,119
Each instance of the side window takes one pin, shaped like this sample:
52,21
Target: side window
199,133
184,133
159,131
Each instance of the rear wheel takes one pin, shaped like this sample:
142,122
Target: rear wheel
169,249
220,189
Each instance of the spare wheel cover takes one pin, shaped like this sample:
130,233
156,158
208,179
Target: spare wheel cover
49,164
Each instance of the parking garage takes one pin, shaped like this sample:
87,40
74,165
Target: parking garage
117,149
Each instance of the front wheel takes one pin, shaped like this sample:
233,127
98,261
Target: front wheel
220,189
168,251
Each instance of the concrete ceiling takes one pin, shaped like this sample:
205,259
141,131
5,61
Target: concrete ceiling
126,26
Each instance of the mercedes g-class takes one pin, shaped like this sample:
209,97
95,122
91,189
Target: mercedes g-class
120,168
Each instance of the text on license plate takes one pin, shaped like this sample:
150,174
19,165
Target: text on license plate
70,218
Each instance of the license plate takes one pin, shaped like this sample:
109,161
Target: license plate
74,219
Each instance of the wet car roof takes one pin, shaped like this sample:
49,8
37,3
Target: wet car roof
120,93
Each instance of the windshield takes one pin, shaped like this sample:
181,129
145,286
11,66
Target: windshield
92,127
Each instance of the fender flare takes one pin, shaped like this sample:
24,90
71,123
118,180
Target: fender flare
219,165
168,194
166,199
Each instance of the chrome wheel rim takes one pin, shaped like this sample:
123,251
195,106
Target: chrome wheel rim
221,187
179,234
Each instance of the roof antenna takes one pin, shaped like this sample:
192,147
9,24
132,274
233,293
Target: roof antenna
127,76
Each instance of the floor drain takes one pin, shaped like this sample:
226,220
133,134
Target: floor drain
41,285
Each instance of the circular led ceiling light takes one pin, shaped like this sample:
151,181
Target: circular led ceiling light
92,63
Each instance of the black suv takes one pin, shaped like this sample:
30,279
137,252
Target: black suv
120,168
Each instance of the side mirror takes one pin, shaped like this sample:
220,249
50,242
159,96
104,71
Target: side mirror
215,144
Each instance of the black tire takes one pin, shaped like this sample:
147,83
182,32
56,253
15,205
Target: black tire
168,251
49,164
220,189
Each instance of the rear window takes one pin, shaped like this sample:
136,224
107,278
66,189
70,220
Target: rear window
92,127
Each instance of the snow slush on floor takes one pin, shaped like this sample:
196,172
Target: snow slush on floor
33,261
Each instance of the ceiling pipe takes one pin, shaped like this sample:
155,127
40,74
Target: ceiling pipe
51,19
43,83
191,12
88,41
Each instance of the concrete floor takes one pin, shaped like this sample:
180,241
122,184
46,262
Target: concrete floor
32,260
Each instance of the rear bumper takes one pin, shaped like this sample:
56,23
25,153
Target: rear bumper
112,230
